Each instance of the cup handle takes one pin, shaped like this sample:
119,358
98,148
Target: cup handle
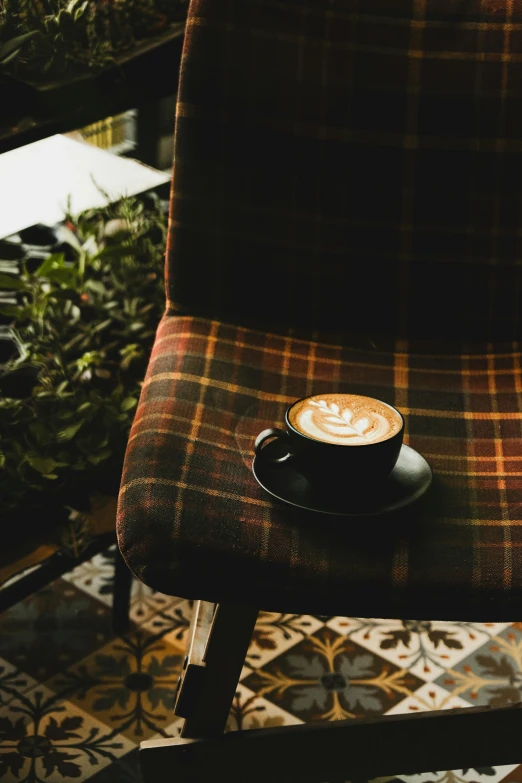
272,432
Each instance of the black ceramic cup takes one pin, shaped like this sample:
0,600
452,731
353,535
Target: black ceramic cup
357,462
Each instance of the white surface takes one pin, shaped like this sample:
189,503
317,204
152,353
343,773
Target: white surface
36,180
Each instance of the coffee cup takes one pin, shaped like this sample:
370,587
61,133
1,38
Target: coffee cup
336,440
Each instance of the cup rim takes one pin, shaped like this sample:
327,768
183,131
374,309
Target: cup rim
343,445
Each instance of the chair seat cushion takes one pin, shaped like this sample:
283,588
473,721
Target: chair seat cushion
193,522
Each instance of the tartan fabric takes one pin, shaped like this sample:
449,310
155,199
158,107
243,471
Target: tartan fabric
193,521
346,188
343,153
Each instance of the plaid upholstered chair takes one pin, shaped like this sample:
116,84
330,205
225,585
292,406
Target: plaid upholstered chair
345,216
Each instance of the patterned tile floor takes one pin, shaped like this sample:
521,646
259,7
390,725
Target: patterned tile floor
76,700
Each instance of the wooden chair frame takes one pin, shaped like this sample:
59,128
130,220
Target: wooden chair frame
354,750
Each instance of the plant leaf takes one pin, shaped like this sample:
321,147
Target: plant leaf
69,432
43,465
128,403
10,282
52,262
15,44
11,310
62,274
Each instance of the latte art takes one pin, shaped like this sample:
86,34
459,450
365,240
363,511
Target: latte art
346,419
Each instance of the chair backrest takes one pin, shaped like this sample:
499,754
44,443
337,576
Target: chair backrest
351,165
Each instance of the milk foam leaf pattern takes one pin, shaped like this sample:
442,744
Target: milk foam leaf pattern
344,422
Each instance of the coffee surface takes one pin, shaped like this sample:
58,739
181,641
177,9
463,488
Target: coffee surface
347,419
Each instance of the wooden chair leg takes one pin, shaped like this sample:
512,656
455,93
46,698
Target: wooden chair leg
218,642
121,595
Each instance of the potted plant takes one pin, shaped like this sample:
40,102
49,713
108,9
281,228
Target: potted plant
46,40
76,339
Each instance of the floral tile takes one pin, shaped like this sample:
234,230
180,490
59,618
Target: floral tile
13,682
127,768
96,577
250,711
424,647
124,770
276,632
329,677
491,675
173,729
104,694
53,628
172,622
383,780
146,602
245,671
477,775
515,776
428,697
44,739
129,684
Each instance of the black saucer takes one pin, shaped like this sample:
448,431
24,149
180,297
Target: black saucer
407,482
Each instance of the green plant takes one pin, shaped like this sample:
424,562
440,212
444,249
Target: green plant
58,38
84,322
12,48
